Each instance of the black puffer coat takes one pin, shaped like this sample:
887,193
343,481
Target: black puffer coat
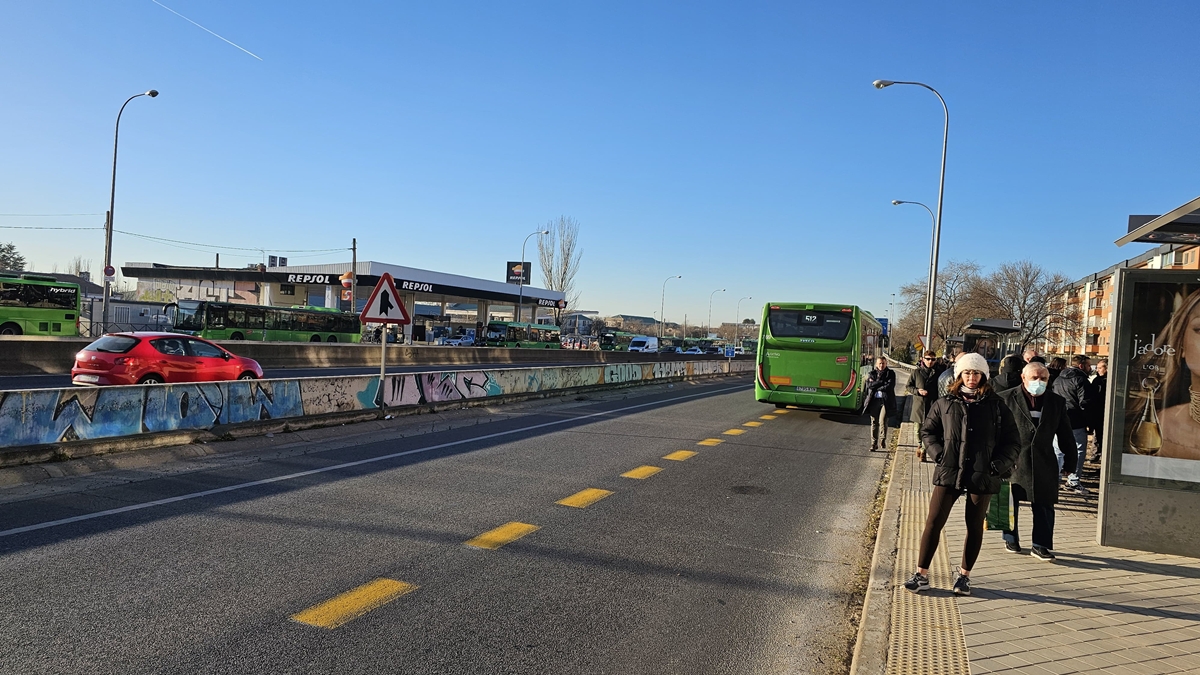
974,444
1036,469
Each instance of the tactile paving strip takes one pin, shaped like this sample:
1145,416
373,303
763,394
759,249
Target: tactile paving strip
927,634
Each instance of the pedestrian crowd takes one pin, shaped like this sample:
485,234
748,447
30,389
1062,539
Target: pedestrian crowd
1002,443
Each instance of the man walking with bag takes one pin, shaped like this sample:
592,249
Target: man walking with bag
1041,417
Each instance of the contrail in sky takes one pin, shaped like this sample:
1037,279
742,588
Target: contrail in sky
205,29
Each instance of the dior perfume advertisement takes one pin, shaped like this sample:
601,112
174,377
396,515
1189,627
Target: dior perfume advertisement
1158,398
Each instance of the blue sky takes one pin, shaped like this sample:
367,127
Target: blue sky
740,145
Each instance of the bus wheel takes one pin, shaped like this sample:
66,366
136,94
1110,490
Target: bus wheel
332,338
315,338
237,336
10,329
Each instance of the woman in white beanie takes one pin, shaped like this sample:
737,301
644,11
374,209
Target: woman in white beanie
974,440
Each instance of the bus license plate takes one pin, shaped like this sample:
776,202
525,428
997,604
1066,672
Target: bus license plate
806,390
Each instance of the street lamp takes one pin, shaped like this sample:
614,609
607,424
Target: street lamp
662,303
937,221
932,269
737,325
521,279
708,326
112,196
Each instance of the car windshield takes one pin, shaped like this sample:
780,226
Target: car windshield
112,344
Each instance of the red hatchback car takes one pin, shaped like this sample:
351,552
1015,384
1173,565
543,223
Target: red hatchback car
155,358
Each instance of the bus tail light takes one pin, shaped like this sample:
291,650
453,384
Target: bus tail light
853,377
762,381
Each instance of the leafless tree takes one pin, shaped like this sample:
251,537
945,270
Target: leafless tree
559,255
954,304
1028,293
78,265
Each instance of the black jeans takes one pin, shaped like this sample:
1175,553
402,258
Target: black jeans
1043,520
940,503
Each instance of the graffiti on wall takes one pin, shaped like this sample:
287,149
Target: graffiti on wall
44,416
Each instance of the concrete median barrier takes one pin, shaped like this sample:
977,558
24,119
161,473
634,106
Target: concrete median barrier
47,424
54,356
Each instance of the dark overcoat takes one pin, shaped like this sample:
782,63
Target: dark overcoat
885,381
973,443
1036,469
922,378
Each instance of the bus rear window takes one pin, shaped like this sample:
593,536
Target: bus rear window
112,344
797,323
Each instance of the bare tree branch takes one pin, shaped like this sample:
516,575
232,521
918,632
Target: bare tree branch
559,255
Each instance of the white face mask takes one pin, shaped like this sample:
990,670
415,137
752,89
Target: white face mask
1035,387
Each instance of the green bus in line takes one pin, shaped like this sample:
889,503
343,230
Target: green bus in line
513,334
816,356
616,341
233,321
36,304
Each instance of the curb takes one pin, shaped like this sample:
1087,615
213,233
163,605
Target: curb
875,623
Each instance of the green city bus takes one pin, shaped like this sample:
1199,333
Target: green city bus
616,341
35,304
231,321
513,334
815,356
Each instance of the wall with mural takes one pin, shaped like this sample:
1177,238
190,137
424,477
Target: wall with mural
44,416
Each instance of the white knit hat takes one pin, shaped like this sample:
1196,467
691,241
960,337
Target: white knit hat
971,361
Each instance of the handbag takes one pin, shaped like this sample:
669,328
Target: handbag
1001,515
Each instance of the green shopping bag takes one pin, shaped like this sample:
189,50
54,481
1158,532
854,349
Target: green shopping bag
1001,515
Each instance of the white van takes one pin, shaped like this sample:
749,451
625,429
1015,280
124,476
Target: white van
642,343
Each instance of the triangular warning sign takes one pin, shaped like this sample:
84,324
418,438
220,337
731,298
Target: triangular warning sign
385,305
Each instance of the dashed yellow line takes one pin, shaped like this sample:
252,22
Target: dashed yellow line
642,472
766,417
752,424
584,498
680,455
734,432
710,442
782,411
505,534
353,603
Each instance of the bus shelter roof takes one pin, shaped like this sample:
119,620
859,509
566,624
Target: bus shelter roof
1179,226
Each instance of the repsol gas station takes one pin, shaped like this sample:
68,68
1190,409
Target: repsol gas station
435,299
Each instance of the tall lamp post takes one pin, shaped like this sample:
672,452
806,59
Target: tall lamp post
662,303
937,221
112,197
929,292
708,326
521,279
737,321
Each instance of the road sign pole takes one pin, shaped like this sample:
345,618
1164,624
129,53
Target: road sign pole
383,335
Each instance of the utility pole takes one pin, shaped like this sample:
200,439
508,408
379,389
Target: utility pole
354,274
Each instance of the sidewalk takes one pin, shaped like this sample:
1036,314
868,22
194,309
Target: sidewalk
1095,610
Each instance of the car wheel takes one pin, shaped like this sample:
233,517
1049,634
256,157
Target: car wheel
237,336
315,338
247,376
151,379
10,329
332,338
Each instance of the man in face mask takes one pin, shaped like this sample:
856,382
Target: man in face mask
1041,416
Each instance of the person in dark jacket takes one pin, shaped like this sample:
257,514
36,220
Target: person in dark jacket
881,392
922,386
1096,414
973,438
946,377
1073,385
1009,375
1041,418
1056,366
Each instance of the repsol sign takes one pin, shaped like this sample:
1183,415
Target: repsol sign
559,304
310,279
416,286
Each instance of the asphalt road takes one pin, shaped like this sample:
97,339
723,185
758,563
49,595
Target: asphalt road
743,558
20,382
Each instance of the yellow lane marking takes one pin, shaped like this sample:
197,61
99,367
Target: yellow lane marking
752,424
505,534
766,417
642,472
353,603
710,442
782,411
734,432
584,498
680,455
